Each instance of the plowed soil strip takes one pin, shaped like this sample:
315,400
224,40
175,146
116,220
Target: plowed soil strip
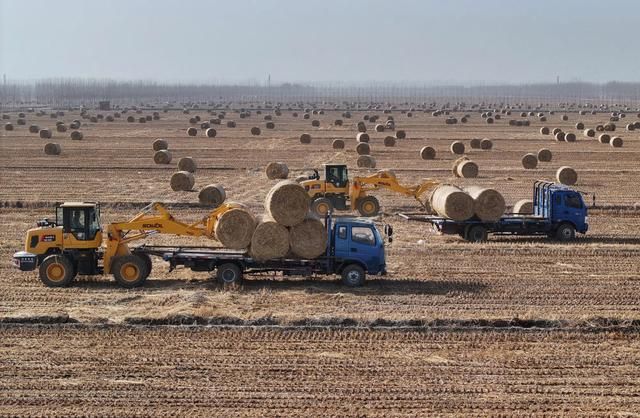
199,371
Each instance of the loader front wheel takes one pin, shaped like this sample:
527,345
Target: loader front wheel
57,271
321,206
130,270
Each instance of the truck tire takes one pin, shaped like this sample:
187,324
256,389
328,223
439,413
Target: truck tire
368,206
321,206
565,232
229,274
57,271
353,275
476,233
130,270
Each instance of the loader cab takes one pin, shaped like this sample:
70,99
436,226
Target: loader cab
337,175
79,221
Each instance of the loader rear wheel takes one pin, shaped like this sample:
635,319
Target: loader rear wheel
130,270
229,274
321,206
57,271
368,206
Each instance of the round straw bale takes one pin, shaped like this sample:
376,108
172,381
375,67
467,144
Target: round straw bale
61,128
131,119
544,155
389,141
182,181
255,131
8,126
205,125
427,153
560,136
211,133
475,143
337,144
489,120
362,137
76,135
589,133
212,195
315,123
579,125
187,164
231,124
287,203
338,122
486,144
570,137
362,127
544,130
160,144
363,148
567,175
270,240
630,127
488,205
529,161
308,239
451,202
604,138
600,128
52,149
270,125
523,207
34,129
45,133
379,127
21,121
235,227
192,131
215,121
366,161
277,170
162,156
466,169
457,147
616,142
400,134
305,138
610,127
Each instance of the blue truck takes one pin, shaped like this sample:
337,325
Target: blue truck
355,248
558,212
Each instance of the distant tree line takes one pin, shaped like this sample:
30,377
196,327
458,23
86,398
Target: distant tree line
73,92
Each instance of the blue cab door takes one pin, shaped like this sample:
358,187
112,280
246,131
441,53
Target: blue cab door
360,243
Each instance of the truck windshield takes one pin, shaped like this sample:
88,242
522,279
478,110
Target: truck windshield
363,235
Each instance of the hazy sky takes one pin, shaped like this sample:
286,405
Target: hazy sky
323,40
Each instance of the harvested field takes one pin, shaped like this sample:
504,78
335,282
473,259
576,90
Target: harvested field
164,371
431,279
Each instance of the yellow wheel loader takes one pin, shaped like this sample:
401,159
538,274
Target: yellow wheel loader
337,192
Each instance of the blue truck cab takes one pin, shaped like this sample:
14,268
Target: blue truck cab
356,241
560,205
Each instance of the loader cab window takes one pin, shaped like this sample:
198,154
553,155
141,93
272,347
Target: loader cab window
83,222
573,201
337,175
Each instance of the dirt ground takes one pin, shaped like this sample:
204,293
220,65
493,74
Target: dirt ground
431,278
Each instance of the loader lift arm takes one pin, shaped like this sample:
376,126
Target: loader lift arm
387,180
155,219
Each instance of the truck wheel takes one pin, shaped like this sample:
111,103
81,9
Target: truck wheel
368,206
321,206
565,232
353,275
477,233
229,273
57,271
130,270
